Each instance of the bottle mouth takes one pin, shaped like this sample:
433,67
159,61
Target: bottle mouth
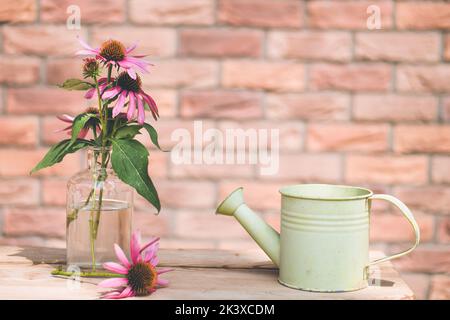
99,149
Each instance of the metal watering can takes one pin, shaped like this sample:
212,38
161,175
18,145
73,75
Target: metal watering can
324,240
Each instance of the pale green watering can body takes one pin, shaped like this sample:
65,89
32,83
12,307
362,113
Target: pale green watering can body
324,241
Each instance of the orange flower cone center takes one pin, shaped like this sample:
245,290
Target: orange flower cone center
112,50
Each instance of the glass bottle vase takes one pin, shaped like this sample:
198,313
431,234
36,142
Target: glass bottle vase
99,213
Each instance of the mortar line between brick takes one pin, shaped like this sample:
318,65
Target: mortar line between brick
38,11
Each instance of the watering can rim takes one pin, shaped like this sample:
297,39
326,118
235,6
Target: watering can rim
285,192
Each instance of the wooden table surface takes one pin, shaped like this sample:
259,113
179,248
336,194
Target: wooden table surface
198,274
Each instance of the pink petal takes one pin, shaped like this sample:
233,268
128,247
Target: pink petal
65,129
162,282
135,247
131,106
127,292
111,295
121,256
161,271
85,53
154,261
83,133
152,105
115,267
131,48
114,282
85,45
131,73
120,103
151,252
108,94
65,118
89,93
151,242
141,112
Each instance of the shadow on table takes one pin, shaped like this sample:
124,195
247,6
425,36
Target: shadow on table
38,255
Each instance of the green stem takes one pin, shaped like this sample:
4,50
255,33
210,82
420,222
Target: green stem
91,229
95,222
60,272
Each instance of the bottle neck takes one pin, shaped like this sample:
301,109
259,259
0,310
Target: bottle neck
99,159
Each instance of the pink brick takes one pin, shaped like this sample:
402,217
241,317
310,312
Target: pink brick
426,198
167,101
440,287
346,14
19,131
172,12
373,107
221,104
19,162
424,259
166,128
277,76
195,74
290,132
212,171
387,169
34,221
421,15
386,227
347,137
308,106
18,11
352,77
258,195
155,42
41,40
261,13
398,46
440,169
54,191
422,138
59,70
191,224
19,191
423,78
303,168
152,225
310,45
186,194
220,43
50,126
44,101
19,70
447,47
105,11
443,231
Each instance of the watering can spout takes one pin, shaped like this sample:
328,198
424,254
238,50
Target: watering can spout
264,235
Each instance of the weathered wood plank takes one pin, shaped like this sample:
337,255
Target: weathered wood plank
199,274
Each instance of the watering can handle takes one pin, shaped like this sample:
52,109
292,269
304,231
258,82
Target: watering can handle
408,215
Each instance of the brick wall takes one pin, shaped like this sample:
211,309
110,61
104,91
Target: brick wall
353,106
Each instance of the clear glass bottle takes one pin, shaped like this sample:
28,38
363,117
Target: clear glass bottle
99,213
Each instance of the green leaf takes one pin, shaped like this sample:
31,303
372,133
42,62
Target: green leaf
153,135
79,123
127,132
58,152
129,160
76,84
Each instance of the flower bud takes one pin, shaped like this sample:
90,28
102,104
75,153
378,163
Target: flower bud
91,68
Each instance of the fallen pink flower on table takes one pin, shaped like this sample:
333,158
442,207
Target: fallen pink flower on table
138,277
